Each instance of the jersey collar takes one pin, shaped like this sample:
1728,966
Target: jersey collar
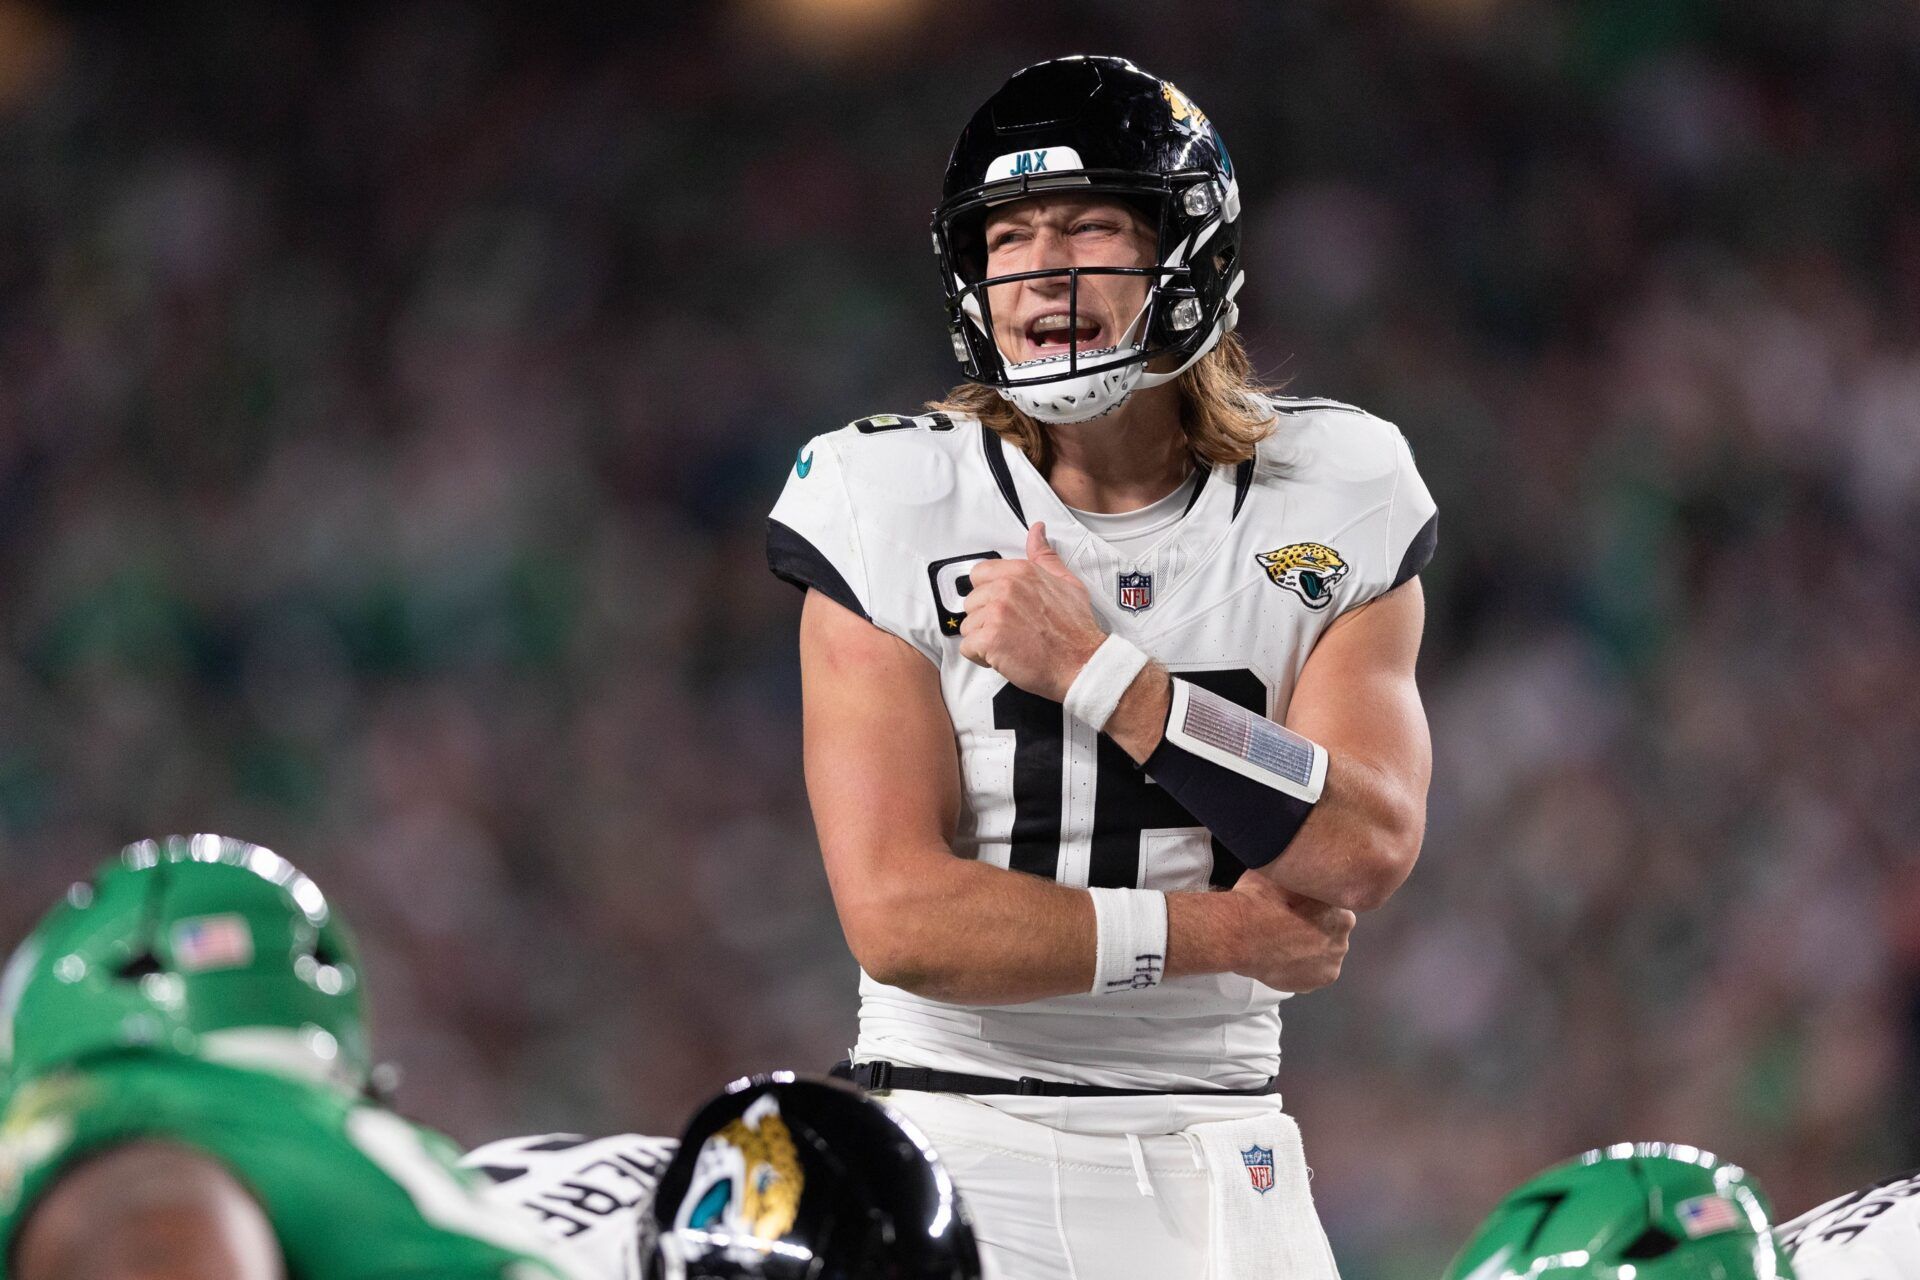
1216,501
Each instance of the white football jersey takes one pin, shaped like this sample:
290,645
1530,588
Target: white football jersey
593,1197
888,515
1871,1234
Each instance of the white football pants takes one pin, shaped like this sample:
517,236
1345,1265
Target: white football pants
1147,1188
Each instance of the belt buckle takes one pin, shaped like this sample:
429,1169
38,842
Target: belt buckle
879,1076
1032,1087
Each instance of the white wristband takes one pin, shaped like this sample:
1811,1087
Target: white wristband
1097,690
1130,931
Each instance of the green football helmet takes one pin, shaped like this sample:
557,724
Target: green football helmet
197,945
1633,1211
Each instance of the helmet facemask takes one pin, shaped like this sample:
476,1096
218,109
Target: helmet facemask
1172,323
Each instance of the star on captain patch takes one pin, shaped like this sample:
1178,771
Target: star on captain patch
1136,591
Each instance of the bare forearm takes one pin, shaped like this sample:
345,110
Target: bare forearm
1359,843
978,934
1207,933
971,933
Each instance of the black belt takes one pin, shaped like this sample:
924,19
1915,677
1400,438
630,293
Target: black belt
877,1076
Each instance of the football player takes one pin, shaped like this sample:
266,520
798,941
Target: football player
187,1075
1660,1211
1110,714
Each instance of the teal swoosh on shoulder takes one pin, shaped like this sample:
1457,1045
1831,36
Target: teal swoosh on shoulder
803,464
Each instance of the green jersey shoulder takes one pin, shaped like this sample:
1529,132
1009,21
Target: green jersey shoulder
353,1191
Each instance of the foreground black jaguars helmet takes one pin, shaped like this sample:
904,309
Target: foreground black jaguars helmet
1097,125
785,1179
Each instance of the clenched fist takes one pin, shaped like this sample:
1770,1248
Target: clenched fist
1031,620
1293,943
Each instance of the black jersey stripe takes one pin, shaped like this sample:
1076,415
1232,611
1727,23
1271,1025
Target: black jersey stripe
793,559
498,1173
1205,473
1306,404
1242,486
996,451
557,1142
1419,551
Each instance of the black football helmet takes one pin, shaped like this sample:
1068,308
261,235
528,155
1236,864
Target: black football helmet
786,1179
1097,125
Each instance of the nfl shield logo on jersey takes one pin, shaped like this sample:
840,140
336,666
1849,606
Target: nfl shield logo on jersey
1259,1168
1136,591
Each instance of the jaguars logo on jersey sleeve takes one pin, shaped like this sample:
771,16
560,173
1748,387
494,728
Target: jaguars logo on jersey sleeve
1311,570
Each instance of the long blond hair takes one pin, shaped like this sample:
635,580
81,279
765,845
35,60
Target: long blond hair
1220,410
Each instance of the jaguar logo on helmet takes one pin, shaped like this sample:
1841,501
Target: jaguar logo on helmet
755,1178
1311,570
1182,106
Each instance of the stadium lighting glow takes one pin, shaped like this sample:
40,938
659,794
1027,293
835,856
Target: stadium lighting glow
840,23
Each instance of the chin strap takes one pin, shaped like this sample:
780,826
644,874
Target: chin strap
1031,399
1162,379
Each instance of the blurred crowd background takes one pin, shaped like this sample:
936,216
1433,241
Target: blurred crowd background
391,396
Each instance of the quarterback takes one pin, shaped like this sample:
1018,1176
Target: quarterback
186,1068
1110,714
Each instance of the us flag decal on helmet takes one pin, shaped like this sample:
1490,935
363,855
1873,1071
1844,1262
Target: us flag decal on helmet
1705,1215
212,942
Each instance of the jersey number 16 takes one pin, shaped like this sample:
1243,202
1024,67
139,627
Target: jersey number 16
1126,802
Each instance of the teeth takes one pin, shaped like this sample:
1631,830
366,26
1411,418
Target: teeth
1062,324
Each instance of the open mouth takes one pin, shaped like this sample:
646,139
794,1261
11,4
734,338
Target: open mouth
1057,334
